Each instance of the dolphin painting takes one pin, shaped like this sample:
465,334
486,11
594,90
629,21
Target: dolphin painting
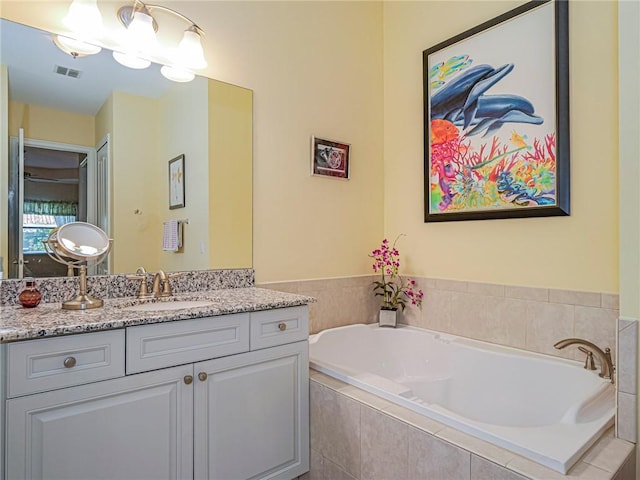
464,103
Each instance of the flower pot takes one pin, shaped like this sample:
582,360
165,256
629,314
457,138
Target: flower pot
388,317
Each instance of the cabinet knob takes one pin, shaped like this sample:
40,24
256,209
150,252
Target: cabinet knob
202,376
282,326
188,379
69,362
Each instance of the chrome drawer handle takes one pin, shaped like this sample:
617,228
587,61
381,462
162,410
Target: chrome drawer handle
282,326
69,362
188,379
202,376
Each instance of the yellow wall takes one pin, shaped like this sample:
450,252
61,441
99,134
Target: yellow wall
50,124
316,68
325,77
230,157
183,130
578,252
134,164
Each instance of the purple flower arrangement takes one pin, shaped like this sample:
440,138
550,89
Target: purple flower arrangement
395,292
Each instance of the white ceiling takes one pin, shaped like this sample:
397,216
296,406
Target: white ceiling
32,57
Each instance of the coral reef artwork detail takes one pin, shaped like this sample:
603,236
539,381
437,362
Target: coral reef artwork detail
470,171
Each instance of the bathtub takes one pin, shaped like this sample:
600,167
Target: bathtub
547,409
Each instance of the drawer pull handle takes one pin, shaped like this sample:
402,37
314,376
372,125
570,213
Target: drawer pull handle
282,326
202,376
188,379
69,362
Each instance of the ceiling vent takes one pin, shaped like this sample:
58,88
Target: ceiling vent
67,72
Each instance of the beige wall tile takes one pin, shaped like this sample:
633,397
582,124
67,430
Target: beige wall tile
535,471
608,454
489,289
413,418
628,470
335,427
432,458
315,467
547,323
627,416
469,313
628,358
290,287
482,469
475,445
385,446
527,293
436,310
611,301
507,323
624,323
574,297
492,319
326,380
414,315
365,397
598,325
451,285
334,472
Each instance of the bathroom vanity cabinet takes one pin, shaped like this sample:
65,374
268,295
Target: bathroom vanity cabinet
223,397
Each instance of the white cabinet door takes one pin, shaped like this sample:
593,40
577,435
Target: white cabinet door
251,415
136,427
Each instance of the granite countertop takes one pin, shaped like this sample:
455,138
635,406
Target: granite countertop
49,320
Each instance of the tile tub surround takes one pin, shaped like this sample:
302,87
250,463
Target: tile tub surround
521,317
49,320
357,435
59,289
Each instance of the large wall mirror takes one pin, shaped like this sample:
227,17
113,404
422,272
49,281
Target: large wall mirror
98,139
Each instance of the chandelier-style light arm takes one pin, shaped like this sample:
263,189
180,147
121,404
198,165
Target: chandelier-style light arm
125,14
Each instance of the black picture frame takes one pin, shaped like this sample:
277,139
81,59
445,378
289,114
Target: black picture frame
176,183
472,105
330,158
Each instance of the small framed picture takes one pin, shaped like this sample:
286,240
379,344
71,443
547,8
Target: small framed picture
329,158
176,182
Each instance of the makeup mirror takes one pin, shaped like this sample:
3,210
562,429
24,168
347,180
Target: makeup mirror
75,244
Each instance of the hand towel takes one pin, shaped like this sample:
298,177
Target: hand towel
170,237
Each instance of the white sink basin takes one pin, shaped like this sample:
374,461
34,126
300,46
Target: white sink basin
160,306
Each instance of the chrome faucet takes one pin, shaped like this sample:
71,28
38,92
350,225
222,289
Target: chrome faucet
606,365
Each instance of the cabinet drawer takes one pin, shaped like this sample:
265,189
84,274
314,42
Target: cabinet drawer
161,345
277,327
51,363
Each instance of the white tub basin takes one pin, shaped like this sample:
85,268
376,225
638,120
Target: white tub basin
161,306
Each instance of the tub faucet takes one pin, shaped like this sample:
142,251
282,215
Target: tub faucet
606,365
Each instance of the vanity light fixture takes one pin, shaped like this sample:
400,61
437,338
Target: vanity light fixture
83,18
75,48
139,46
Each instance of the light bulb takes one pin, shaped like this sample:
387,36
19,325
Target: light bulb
84,18
131,60
190,53
177,74
141,36
75,48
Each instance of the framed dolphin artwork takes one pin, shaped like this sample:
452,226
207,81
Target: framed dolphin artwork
496,118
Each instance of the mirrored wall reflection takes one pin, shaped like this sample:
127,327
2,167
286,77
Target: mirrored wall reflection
98,138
